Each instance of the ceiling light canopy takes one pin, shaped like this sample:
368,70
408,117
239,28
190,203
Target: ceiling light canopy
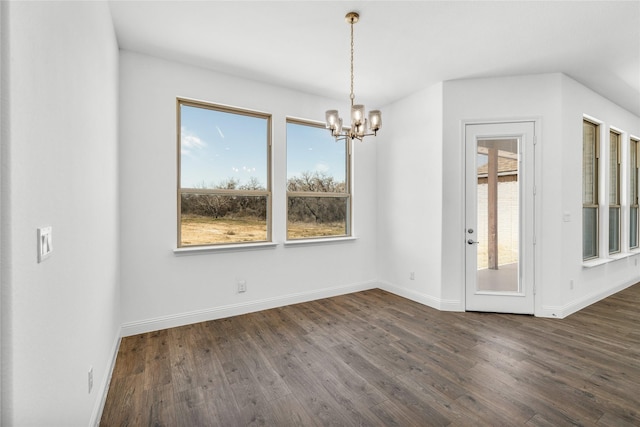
359,121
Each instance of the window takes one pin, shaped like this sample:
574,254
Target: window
318,187
614,192
224,190
634,145
590,167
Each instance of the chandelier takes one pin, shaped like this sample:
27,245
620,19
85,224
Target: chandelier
359,122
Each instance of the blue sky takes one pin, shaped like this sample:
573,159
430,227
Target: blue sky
217,146
313,149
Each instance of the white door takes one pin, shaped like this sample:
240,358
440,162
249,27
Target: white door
499,232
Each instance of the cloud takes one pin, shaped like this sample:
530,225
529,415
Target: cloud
322,167
190,141
245,169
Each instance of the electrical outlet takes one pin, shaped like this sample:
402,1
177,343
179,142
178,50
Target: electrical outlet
242,286
90,377
412,276
571,284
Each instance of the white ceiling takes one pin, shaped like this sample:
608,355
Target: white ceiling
400,46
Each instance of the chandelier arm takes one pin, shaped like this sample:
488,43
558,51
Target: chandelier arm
349,136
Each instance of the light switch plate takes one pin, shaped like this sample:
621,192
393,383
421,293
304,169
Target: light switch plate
44,243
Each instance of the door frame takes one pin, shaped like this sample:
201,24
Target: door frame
536,210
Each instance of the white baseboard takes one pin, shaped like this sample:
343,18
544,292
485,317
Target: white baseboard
181,319
429,300
96,415
560,312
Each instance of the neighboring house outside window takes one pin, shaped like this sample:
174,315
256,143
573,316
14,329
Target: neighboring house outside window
224,188
318,182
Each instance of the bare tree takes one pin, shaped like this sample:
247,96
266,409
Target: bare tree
316,209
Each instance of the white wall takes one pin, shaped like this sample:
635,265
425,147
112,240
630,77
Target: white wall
59,143
591,284
4,135
557,102
161,289
409,197
526,97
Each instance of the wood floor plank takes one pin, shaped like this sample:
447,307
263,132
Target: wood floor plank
289,412
515,381
372,358
393,415
157,369
310,391
160,404
269,381
442,403
344,385
192,408
384,381
615,421
482,413
184,371
126,403
132,353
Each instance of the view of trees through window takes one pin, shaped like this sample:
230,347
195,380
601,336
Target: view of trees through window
224,191
318,194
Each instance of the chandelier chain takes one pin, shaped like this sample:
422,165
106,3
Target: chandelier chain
352,96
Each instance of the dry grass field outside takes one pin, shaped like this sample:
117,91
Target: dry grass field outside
202,230
302,230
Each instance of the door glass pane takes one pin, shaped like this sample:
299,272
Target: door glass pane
498,215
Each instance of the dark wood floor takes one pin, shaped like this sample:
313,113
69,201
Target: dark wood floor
375,359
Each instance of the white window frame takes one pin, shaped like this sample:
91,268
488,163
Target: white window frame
267,193
312,194
634,180
594,204
615,204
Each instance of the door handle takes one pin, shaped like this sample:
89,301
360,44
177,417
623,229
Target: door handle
471,242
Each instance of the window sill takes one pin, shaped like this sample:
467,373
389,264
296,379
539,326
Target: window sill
614,257
319,241
224,248
621,255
